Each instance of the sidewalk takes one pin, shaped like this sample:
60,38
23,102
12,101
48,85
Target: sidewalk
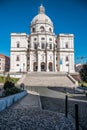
29,100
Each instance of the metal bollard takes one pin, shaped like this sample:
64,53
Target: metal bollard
66,105
76,117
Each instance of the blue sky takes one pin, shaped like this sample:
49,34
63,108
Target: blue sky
68,16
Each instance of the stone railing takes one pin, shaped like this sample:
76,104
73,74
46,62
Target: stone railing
73,80
8,101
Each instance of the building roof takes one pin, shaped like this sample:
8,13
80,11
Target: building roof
4,56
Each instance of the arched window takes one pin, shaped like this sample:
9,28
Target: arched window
50,29
67,59
42,28
33,30
18,45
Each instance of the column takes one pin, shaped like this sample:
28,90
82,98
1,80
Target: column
31,63
38,60
55,61
47,64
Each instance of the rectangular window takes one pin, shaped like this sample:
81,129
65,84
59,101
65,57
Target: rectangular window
28,58
67,59
35,46
28,45
66,45
17,59
43,46
50,46
50,39
18,45
42,38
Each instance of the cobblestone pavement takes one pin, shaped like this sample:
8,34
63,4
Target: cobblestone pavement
26,114
58,104
34,119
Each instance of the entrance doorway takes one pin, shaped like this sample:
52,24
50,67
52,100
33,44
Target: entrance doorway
43,66
35,67
50,66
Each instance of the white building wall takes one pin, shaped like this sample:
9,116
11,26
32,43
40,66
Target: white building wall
64,52
39,55
21,64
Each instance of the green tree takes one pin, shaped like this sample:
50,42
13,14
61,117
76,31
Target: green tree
83,73
8,78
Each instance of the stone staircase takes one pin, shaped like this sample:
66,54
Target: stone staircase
47,79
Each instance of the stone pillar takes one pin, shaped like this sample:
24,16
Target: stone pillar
55,61
38,62
47,63
31,62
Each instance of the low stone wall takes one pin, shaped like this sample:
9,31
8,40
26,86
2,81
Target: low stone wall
8,101
73,80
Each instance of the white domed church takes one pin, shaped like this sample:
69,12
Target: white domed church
42,50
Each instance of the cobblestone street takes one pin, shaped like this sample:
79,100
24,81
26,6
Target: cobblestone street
26,115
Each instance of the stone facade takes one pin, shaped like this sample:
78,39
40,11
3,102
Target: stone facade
42,50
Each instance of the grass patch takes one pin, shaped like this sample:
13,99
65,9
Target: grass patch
2,79
84,84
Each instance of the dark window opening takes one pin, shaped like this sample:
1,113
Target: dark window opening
17,58
50,29
43,46
50,46
33,30
66,45
67,59
35,46
42,28
18,45
50,39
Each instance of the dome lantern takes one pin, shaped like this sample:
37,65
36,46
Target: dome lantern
41,9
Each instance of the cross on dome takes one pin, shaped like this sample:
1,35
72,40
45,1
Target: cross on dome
41,9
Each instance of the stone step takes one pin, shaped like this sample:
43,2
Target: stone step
47,79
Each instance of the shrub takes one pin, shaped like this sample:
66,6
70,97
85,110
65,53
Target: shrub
83,73
10,88
8,85
11,91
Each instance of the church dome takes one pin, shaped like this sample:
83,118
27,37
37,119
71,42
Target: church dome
41,18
